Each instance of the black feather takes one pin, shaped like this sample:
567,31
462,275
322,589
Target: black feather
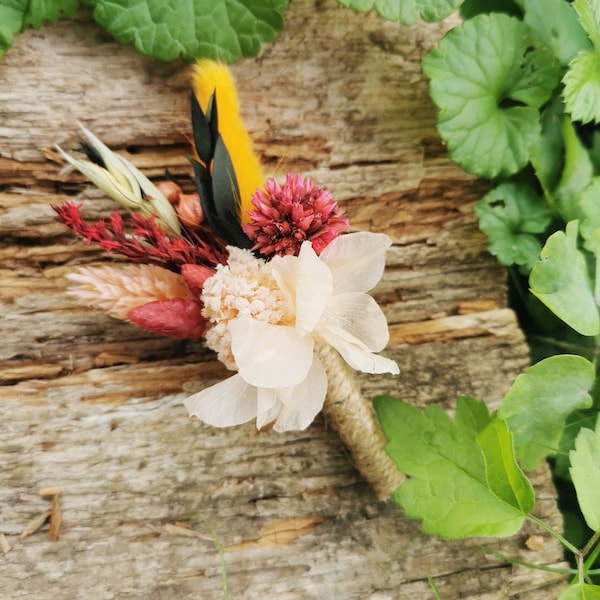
215,179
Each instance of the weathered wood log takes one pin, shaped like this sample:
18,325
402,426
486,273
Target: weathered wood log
93,406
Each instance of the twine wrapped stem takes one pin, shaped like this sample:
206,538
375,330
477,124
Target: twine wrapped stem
354,418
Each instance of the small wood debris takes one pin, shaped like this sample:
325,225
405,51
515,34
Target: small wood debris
535,543
34,524
4,545
53,515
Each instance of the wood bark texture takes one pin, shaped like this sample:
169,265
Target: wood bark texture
93,406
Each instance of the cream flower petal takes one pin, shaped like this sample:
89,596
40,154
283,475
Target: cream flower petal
302,403
356,260
355,353
229,402
359,315
271,356
268,406
314,286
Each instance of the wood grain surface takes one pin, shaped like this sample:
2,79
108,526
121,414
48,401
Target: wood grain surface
93,406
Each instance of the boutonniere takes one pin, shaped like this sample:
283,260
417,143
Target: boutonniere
262,269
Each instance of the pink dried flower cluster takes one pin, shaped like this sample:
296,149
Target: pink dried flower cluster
147,242
289,214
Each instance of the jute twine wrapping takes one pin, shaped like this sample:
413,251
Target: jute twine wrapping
354,418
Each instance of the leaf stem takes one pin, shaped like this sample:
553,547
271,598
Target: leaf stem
555,534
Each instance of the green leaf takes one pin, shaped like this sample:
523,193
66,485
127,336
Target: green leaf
405,12
471,8
547,153
589,15
575,421
555,24
219,29
581,591
16,15
582,80
589,204
464,480
489,80
510,215
577,174
585,474
561,281
538,404
582,88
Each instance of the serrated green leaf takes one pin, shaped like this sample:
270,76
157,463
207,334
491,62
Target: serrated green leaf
488,83
225,30
538,404
405,12
581,591
555,25
463,478
589,15
510,215
575,421
40,11
582,88
16,15
585,474
561,281
576,175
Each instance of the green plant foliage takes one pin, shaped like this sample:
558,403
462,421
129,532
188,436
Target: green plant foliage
555,24
511,215
167,29
581,591
577,174
582,80
585,474
405,12
16,15
489,79
539,402
472,8
561,281
464,480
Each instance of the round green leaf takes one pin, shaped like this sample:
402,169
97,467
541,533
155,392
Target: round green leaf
405,12
166,29
510,215
488,80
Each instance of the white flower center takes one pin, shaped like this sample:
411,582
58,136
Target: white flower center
245,287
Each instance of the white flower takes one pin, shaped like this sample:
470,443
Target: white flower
265,318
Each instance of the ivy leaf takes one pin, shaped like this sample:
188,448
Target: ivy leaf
561,281
510,215
555,24
405,12
16,15
585,474
581,591
489,83
582,80
538,404
464,480
219,29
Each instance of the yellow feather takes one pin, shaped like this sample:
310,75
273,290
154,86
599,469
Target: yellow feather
208,77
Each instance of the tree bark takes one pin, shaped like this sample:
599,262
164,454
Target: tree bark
93,406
